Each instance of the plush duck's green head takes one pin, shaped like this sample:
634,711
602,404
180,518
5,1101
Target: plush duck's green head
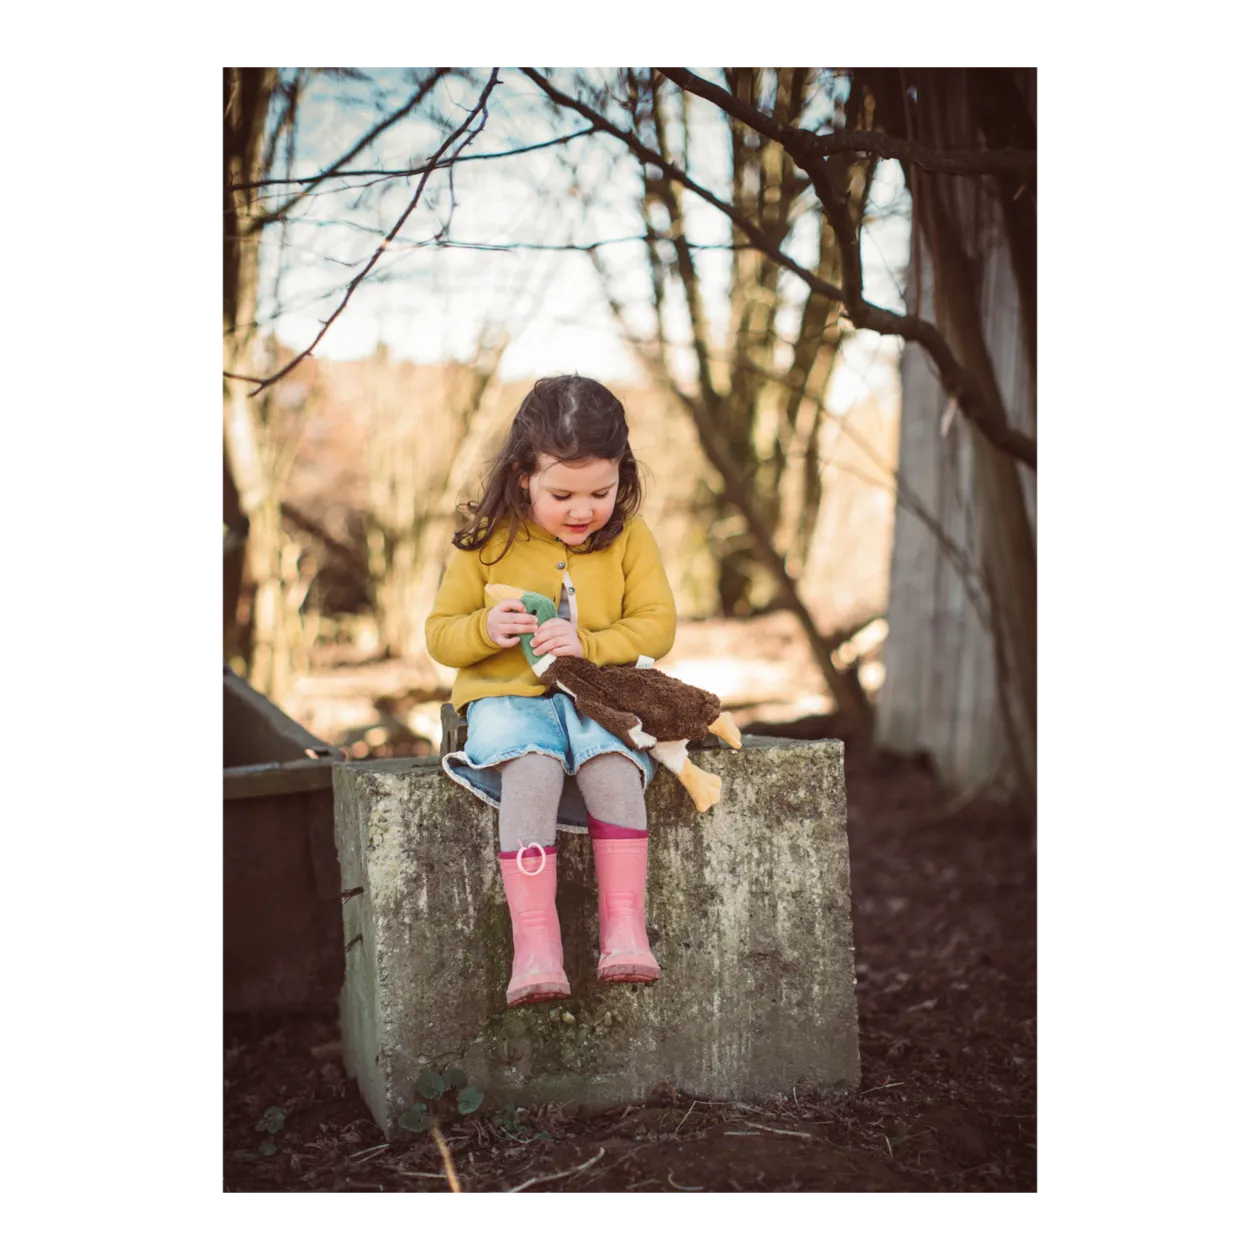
541,607
544,610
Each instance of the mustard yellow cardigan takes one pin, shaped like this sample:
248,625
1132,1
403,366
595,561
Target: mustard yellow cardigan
625,608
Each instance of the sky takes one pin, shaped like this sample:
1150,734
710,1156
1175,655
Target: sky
428,304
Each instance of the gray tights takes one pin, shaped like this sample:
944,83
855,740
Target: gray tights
532,783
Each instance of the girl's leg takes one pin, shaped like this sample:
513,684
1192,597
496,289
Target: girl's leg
617,818
612,788
531,786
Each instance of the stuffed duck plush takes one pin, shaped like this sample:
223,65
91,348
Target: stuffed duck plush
645,709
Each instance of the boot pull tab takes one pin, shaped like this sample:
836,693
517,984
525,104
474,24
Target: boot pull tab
542,866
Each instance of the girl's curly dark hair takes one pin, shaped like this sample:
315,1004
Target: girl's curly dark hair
573,419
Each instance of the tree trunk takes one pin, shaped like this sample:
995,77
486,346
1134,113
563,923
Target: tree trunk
754,410
952,223
412,515
1006,539
249,478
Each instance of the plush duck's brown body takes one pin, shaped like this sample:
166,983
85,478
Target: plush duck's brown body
646,709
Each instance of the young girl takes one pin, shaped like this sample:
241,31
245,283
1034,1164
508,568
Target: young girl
558,515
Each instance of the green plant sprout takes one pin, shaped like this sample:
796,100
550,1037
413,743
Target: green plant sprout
508,1118
447,1095
271,1123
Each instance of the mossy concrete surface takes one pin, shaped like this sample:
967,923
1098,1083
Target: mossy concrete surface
748,915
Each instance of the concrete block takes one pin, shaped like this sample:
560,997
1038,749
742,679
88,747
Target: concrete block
748,915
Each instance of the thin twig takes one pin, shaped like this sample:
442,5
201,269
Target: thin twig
607,1168
576,247
421,92
413,170
361,1155
672,1182
446,1159
402,1172
911,1136
684,1119
784,1132
479,108
533,1181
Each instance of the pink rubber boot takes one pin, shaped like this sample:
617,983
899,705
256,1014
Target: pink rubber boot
621,868
538,957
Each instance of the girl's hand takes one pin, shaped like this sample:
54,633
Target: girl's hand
559,637
508,620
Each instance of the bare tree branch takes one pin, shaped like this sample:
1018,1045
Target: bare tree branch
636,146
715,448
418,170
1020,162
842,687
697,316
586,247
316,530
955,381
479,108
947,161
421,92
986,413
906,498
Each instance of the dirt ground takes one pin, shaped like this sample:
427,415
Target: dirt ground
944,910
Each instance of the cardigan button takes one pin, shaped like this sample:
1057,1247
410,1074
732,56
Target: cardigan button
560,564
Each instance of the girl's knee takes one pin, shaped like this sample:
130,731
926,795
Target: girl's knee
612,788
531,785
611,766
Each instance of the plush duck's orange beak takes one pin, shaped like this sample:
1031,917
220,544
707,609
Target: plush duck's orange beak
499,591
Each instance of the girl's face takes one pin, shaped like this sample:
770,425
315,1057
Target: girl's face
572,501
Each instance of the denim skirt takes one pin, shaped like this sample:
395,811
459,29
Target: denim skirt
503,727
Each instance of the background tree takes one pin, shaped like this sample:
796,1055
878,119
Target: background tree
263,193
758,378
885,105
247,100
974,269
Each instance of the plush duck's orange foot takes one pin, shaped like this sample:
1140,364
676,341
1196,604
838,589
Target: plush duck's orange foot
703,788
726,730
